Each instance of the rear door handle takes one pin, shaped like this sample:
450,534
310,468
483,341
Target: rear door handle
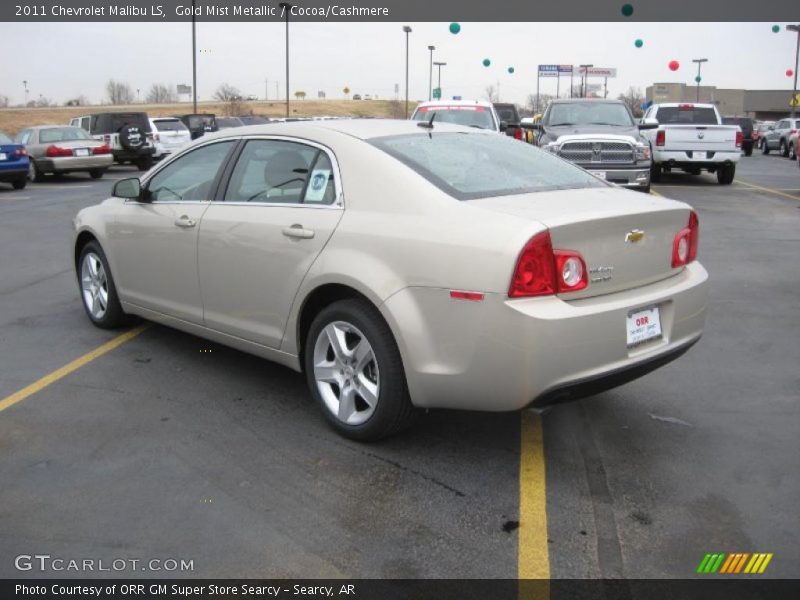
185,222
297,231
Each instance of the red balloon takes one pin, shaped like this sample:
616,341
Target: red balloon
674,65
789,72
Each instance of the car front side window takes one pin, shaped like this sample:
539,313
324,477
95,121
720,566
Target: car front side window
191,176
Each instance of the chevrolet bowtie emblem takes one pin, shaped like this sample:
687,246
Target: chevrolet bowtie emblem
634,236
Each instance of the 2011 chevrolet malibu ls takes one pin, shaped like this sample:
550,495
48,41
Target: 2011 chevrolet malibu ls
400,265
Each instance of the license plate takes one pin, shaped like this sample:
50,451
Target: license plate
643,325
81,152
700,155
3,156
600,174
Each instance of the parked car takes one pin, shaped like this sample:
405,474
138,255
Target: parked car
441,267
54,149
13,162
471,113
128,134
510,120
356,96
760,132
169,135
228,122
746,125
691,137
200,124
779,137
600,136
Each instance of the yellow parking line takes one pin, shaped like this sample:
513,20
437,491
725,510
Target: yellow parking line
655,193
766,189
533,560
76,364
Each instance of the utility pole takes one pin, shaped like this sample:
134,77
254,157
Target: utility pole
266,89
430,75
697,79
584,78
796,29
407,31
194,61
605,87
439,66
25,89
286,7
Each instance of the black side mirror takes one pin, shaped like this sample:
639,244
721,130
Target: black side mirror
130,189
648,124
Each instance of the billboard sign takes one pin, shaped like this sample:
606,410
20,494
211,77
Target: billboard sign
548,70
598,72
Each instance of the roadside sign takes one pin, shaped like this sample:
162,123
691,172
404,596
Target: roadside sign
598,72
437,93
548,70
795,101
184,89
566,69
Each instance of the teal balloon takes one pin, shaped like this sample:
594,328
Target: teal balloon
486,62
776,28
627,10
698,79
638,43
455,28
511,70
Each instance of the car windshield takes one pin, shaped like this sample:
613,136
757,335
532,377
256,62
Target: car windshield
687,114
469,166
62,134
169,125
113,122
4,139
589,113
468,115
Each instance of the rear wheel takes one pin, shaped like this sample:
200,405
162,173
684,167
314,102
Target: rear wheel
96,173
144,163
34,174
19,184
98,292
355,373
783,148
725,174
793,151
748,150
764,147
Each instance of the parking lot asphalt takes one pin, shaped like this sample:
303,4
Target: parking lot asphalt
168,446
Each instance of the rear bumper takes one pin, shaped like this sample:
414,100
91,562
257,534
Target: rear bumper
680,158
120,154
69,164
500,354
13,170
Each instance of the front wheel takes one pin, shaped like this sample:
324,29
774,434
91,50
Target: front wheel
655,173
144,163
793,151
783,148
355,373
764,147
725,174
98,292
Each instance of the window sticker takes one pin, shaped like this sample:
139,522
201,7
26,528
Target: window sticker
317,185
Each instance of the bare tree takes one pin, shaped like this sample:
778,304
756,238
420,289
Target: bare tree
160,93
634,98
3,101
119,92
535,106
227,93
77,101
43,101
491,93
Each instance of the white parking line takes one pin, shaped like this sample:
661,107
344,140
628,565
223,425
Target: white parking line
59,187
15,197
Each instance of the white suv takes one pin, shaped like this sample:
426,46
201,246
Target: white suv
169,135
471,113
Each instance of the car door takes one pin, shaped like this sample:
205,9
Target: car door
281,205
774,136
154,241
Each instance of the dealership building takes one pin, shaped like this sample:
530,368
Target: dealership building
767,105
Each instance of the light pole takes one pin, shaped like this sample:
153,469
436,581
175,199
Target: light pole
697,79
584,79
194,61
286,7
25,89
439,66
407,31
796,29
430,74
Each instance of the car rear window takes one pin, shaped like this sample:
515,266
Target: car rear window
62,134
169,125
745,123
479,117
687,115
113,122
207,122
469,166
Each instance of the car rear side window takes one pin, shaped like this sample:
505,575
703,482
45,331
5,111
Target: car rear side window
686,115
469,166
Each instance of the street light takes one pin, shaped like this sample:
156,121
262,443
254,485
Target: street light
194,62
796,29
430,74
286,7
699,62
407,30
584,79
439,66
25,88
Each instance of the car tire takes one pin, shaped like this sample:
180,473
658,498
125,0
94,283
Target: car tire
645,189
783,148
96,173
748,150
792,151
19,184
764,147
725,174
655,173
34,174
377,403
95,282
143,164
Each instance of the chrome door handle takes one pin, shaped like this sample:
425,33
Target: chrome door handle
297,231
185,222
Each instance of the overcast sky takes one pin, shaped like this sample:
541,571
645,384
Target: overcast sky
63,60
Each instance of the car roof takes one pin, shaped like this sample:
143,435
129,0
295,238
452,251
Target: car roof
363,129
483,103
582,100
51,125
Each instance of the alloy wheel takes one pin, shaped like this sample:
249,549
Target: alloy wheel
94,285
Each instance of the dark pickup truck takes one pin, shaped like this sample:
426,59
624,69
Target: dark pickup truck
746,125
509,116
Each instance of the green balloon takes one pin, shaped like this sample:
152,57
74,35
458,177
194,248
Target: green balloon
486,62
455,28
639,43
627,10
776,28
698,79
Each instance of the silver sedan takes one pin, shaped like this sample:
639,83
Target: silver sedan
400,266
57,149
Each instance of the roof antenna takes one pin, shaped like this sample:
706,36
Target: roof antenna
428,124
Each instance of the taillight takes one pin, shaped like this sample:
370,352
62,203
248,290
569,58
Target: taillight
518,134
684,246
542,271
20,152
104,149
54,151
686,107
661,137
739,139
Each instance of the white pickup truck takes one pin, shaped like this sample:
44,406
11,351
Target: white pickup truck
691,137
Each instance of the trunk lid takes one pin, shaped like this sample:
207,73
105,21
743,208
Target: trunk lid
721,138
625,237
